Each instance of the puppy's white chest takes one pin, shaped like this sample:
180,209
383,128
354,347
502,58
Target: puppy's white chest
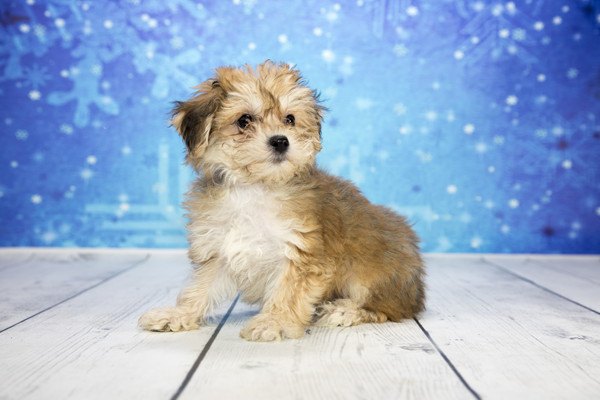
244,230
252,227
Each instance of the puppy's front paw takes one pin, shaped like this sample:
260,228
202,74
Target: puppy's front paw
266,328
168,319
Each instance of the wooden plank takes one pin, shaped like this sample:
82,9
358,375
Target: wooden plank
509,338
11,259
375,361
91,348
577,278
43,279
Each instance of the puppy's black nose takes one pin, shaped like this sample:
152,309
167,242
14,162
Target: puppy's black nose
280,143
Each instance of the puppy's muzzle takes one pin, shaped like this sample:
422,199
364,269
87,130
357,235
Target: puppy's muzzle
279,143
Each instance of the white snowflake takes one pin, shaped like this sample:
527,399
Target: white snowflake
459,54
572,73
400,50
317,31
96,69
59,22
35,95
25,28
251,46
86,174
283,39
39,31
66,129
108,24
431,115
519,34
14,164
91,160
541,78
328,55
412,11
538,25
567,164
511,7
22,134
513,203
476,242
451,189
481,147
478,6
49,237
505,229
512,100
557,20
469,129
497,10
36,199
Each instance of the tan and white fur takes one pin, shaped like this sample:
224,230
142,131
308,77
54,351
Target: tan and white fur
264,221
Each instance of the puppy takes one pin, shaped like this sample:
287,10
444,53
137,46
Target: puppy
266,222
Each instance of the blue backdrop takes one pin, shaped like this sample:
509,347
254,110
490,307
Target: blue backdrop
479,120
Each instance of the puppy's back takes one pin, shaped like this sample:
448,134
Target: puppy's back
373,248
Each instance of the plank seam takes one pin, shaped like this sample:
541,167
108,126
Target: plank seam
447,360
136,264
203,353
500,267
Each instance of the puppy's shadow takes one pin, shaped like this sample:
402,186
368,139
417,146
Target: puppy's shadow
240,317
241,313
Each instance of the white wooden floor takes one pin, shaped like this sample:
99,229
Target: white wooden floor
497,327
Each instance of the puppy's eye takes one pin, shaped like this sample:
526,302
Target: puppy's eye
244,120
290,120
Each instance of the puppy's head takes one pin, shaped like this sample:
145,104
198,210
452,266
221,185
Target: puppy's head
251,125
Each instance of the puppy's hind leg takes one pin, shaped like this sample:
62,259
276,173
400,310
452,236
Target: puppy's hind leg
345,312
208,287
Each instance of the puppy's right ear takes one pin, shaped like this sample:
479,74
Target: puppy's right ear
193,118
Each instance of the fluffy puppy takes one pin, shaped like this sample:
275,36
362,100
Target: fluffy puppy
266,222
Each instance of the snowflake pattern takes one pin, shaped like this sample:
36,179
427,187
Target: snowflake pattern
478,120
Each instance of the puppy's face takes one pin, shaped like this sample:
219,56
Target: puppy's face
250,126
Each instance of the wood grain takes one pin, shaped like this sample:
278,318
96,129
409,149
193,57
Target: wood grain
11,259
508,338
375,361
500,321
577,278
36,281
90,347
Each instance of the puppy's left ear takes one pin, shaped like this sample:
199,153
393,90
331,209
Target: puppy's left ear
193,118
